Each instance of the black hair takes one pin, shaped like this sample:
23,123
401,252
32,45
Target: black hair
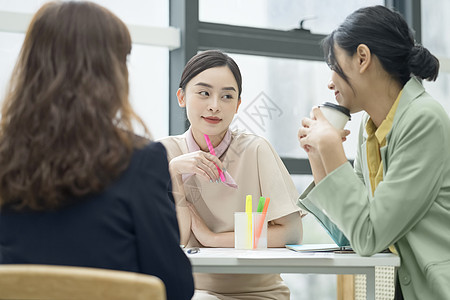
206,60
388,37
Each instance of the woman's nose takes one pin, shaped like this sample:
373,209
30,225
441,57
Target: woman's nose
331,85
214,104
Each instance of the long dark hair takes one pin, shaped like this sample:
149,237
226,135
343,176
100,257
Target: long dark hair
206,60
66,127
388,37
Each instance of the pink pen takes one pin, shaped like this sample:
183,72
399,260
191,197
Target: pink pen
211,150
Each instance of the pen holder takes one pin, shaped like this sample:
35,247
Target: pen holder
250,230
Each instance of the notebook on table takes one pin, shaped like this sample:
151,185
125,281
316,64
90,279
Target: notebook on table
319,248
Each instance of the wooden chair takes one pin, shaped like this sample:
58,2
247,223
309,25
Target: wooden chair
27,282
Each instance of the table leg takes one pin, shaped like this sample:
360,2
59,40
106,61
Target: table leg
370,284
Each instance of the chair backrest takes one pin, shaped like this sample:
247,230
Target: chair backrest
30,282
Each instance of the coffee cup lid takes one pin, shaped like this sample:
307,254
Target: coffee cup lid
340,108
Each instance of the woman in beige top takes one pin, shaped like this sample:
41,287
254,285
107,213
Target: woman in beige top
210,90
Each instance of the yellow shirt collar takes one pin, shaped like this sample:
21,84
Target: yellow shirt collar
386,125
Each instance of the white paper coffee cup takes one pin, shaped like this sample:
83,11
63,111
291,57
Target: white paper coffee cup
337,115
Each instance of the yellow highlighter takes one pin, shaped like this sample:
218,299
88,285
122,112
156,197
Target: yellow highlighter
248,211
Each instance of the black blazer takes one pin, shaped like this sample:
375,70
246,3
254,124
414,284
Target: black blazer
130,226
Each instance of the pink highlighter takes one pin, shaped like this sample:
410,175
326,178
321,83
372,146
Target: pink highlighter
211,150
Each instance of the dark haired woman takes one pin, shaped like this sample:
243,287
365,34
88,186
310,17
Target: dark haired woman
77,187
210,89
397,196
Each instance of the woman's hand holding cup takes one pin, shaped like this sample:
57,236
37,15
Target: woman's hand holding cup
324,127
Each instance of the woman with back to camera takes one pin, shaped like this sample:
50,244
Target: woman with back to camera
77,186
398,194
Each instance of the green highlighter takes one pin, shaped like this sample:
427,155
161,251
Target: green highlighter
261,204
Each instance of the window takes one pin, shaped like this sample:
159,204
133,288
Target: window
320,17
277,94
136,12
148,65
436,25
9,50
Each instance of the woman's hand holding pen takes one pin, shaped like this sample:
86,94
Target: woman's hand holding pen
199,162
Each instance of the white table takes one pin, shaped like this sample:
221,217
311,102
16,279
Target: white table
282,260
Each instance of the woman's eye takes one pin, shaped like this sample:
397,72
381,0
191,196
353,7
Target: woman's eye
204,93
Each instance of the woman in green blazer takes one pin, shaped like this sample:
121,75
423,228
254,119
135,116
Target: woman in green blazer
397,196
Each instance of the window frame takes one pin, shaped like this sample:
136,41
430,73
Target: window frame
294,44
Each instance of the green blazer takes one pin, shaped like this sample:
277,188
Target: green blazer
410,207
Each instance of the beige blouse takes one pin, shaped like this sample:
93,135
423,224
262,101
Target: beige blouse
258,171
